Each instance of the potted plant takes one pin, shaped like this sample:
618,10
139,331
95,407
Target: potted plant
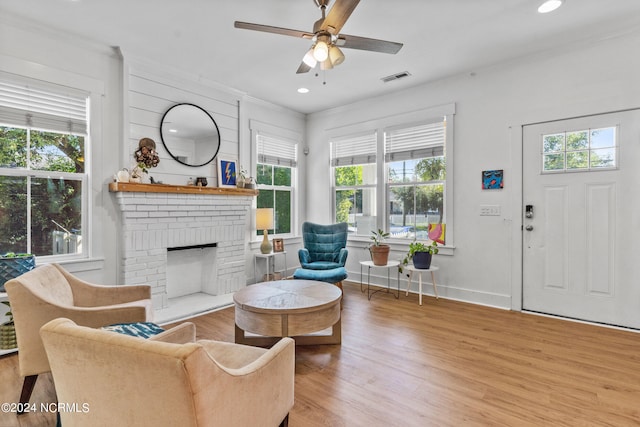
379,251
421,254
8,331
13,265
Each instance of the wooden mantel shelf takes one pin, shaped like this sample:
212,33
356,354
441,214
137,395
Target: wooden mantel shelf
130,187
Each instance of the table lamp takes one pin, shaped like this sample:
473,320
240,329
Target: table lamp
264,221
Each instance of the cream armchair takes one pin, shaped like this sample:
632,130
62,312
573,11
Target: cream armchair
119,380
48,292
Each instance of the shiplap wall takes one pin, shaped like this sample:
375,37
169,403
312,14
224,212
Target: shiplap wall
151,95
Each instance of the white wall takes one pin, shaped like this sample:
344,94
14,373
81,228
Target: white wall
52,56
288,122
491,106
136,94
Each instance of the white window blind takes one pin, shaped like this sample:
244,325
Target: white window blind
31,103
277,151
415,142
353,150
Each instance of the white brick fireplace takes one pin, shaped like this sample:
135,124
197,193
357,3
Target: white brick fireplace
153,222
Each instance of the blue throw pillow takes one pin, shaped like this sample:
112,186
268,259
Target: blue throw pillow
137,329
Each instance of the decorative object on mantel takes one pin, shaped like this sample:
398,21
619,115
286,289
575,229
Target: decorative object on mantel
242,175
123,175
227,172
146,157
264,221
201,181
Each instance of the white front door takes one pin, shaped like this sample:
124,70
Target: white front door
581,197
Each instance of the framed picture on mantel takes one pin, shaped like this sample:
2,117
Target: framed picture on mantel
227,172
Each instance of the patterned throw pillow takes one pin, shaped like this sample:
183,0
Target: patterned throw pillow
137,329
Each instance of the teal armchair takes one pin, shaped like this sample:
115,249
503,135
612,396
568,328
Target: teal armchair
324,246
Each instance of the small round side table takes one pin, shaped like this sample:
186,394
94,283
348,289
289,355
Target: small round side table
412,269
388,266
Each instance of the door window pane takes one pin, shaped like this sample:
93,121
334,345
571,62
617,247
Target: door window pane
584,150
578,160
552,143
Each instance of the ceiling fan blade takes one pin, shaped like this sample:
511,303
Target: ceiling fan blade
303,68
338,15
273,30
364,43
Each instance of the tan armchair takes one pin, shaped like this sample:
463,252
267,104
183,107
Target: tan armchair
119,380
48,292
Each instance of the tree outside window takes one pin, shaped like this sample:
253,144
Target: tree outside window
274,183
41,182
416,196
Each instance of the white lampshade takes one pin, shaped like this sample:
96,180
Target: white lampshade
264,221
326,64
321,51
335,55
309,59
264,218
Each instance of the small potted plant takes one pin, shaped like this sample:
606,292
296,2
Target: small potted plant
379,251
421,254
8,331
13,265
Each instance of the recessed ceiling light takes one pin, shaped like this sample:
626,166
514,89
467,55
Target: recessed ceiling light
173,130
549,6
303,90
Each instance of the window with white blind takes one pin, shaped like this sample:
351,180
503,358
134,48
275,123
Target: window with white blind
416,177
43,176
353,159
277,160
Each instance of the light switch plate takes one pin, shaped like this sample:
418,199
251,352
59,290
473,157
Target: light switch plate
489,210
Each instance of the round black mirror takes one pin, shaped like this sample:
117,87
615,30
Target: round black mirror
190,134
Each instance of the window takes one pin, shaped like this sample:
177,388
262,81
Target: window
354,175
393,173
416,178
43,179
582,150
276,177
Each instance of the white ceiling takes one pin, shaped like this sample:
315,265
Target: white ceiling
441,38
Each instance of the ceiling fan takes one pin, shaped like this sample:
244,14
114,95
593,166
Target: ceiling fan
326,36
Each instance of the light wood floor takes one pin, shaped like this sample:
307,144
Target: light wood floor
443,364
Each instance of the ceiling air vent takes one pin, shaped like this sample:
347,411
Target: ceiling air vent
396,76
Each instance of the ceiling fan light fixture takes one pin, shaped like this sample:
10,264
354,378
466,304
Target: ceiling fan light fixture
549,6
321,51
335,55
309,59
326,64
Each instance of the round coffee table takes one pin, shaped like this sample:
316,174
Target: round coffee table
288,308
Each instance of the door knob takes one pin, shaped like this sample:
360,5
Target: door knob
529,227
